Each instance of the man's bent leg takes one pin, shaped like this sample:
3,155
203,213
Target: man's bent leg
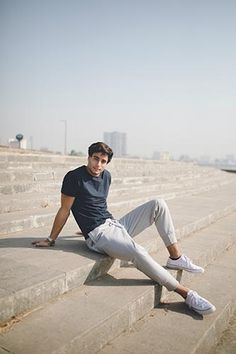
157,211
145,215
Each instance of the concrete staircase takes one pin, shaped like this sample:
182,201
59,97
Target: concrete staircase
171,328
30,185
67,299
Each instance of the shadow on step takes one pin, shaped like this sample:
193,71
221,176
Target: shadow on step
109,280
96,265
72,244
179,307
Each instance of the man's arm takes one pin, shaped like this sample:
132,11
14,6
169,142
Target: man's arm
59,221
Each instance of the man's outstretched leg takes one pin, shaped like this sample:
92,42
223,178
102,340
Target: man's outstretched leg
156,211
112,239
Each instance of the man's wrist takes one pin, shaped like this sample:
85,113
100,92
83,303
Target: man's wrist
51,242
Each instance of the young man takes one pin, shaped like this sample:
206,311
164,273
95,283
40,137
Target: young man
84,191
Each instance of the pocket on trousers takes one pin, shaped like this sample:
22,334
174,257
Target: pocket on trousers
95,235
92,246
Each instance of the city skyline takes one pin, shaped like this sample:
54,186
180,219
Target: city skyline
115,140
162,72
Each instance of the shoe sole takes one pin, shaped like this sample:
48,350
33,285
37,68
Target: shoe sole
186,269
204,312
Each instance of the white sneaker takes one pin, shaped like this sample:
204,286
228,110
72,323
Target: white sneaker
199,304
184,263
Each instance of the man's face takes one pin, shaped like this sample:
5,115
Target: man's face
97,163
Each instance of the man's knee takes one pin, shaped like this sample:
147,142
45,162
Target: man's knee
160,203
160,206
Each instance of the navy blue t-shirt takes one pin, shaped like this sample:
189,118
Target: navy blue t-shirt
90,206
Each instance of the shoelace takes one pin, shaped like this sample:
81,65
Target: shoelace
197,301
187,260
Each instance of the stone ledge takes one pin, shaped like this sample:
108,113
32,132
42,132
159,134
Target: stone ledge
193,334
86,319
36,286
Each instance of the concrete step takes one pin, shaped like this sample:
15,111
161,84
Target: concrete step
166,191
42,172
32,196
7,178
128,167
70,266
11,182
30,201
25,220
226,344
18,160
18,157
166,330
221,198
85,320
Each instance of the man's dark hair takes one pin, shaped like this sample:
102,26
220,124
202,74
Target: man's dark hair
100,147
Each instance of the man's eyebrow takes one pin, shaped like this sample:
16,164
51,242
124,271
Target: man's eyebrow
98,158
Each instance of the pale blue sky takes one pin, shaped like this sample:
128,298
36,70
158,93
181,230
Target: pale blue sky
162,71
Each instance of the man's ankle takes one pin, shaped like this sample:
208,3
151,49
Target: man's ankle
175,258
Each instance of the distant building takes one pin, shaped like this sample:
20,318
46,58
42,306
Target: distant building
117,141
14,143
185,158
205,159
230,158
161,155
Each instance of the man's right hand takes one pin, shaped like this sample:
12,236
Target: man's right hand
41,243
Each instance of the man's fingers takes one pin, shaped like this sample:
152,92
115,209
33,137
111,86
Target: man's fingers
34,242
40,243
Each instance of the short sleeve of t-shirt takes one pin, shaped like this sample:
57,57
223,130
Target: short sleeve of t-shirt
70,184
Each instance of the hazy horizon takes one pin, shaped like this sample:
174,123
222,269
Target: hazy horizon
163,72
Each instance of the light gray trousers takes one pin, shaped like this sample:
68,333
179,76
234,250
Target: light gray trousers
114,238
